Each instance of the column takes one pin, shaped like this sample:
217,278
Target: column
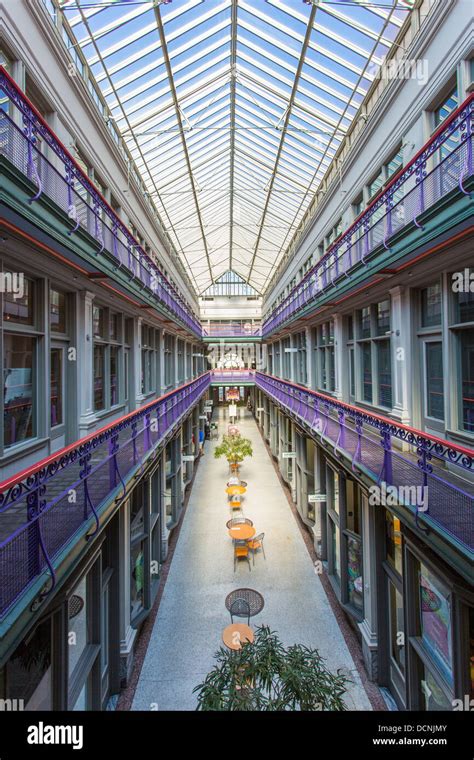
126,632
162,361
309,357
85,363
371,516
340,357
401,353
136,353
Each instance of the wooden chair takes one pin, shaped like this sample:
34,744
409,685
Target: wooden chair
241,551
235,503
255,544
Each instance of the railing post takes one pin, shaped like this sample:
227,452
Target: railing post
33,512
113,448
146,431
420,175
341,438
358,427
133,427
386,473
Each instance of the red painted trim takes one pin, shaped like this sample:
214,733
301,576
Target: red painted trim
66,449
45,247
380,417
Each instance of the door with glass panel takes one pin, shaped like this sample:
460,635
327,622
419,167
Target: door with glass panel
433,383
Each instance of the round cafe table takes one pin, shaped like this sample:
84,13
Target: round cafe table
236,482
242,531
235,490
234,635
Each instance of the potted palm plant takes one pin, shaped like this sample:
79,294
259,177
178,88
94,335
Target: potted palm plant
266,676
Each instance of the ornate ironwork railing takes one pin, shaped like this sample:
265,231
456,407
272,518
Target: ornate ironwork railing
367,441
44,507
231,330
69,187
444,164
233,376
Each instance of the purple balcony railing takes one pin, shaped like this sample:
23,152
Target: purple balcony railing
231,330
70,188
444,164
370,442
233,376
45,506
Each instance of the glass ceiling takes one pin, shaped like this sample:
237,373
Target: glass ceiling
233,110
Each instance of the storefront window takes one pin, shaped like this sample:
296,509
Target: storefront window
393,541
335,492
18,300
98,322
29,670
373,358
336,554
18,388
367,372
435,621
355,584
57,311
137,561
81,702
466,349
463,330
114,375
56,386
353,545
397,629
137,511
434,380
78,634
99,377
431,306
433,697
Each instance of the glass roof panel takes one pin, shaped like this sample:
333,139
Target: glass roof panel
233,110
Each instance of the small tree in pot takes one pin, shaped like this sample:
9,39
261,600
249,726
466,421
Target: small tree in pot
266,676
234,449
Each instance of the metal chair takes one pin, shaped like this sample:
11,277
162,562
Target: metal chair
240,608
241,551
255,544
238,521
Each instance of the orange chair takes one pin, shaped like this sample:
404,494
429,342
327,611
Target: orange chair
255,544
241,551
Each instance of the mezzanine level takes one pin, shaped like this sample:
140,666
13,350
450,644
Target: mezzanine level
430,196
45,186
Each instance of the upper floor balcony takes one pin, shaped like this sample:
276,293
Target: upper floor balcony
48,508
232,377
237,329
383,451
29,146
439,176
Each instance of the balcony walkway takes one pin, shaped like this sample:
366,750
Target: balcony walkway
192,613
